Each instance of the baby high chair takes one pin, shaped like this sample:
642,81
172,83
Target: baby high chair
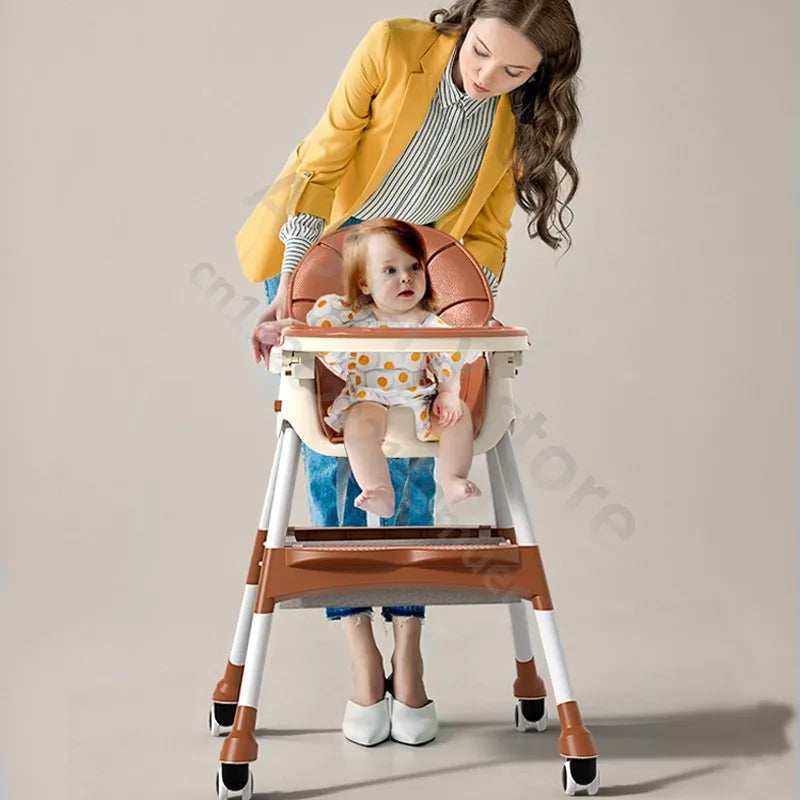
305,567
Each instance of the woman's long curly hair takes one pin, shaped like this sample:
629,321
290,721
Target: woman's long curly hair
545,108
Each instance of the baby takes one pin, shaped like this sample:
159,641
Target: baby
387,286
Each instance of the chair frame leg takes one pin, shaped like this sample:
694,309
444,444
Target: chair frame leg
228,687
575,740
528,684
240,746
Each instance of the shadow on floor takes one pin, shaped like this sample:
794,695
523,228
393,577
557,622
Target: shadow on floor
640,788
751,731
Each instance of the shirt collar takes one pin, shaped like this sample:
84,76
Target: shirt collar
451,95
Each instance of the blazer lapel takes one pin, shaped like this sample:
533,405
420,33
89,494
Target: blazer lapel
417,97
496,160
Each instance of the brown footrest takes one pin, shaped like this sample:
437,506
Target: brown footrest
500,570
385,558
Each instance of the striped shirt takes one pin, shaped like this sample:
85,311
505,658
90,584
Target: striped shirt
435,172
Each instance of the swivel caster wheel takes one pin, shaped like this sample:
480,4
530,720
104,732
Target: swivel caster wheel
530,715
580,775
220,718
234,781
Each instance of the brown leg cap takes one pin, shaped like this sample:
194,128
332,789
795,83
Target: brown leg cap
528,684
575,741
227,690
241,747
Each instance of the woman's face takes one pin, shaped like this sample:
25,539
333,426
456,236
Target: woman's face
495,59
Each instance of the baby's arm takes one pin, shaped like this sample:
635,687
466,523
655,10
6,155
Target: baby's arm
447,404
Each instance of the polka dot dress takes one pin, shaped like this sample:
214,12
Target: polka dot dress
408,379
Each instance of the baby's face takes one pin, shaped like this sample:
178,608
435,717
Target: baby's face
395,279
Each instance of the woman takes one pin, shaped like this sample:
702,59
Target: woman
443,123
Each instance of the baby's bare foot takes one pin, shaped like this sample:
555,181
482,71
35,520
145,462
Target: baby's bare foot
457,489
379,500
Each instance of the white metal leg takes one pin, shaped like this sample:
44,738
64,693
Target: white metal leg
271,485
242,632
524,529
556,665
523,650
516,497
284,489
256,656
502,513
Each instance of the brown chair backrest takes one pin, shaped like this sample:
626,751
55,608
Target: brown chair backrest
461,289
464,296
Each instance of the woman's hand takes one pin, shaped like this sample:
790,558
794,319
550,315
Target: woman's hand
268,334
262,338
447,407
265,336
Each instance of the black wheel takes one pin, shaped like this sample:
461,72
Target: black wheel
224,714
580,774
220,718
236,778
533,710
530,715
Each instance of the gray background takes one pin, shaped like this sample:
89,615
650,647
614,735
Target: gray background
138,433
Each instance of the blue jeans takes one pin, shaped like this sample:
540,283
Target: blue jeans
332,489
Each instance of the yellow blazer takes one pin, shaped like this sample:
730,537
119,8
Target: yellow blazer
379,103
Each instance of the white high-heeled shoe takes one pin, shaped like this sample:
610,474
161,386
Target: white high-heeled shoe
367,725
414,725
409,725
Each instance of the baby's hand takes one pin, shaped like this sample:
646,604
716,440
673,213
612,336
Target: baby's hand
447,407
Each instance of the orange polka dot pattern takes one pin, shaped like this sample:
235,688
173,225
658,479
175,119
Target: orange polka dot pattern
390,378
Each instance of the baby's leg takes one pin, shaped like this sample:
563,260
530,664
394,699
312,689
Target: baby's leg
364,429
455,458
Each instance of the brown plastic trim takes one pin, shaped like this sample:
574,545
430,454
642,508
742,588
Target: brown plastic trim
541,601
510,571
575,740
377,557
227,689
493,332
528,685
264,604
255,559
240,746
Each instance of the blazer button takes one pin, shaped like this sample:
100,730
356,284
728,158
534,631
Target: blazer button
306,174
